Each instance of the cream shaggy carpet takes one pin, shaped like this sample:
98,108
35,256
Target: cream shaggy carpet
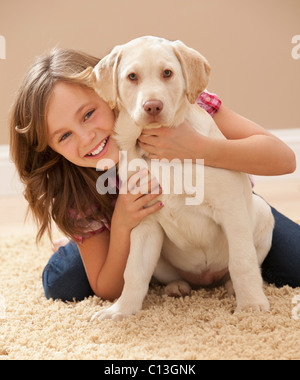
198,327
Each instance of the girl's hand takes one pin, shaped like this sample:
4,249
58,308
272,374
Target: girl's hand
171,143
131,206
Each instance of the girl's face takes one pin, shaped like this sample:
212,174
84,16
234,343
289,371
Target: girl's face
80,125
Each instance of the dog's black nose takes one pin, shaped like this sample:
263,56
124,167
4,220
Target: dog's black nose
153,107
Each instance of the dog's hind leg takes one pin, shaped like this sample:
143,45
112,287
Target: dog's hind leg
145,249
165,273
178,288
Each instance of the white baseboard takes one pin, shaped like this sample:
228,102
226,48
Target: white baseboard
11,186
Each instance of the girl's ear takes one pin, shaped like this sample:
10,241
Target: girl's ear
195,69
105,77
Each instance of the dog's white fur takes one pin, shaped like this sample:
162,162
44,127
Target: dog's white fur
232,228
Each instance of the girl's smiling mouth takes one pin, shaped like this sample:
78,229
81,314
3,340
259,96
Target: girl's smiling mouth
100,149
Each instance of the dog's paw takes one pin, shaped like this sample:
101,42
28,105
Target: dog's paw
262,305
178,289
115,312
106,314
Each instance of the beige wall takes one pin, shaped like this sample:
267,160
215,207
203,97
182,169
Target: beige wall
248,43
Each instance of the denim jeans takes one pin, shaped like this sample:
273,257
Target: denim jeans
64,277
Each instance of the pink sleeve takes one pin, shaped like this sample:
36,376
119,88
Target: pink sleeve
210,102
89,226
88,234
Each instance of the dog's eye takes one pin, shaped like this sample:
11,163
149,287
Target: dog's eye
132,77
167,74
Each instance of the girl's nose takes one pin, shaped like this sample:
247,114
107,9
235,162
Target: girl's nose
86,137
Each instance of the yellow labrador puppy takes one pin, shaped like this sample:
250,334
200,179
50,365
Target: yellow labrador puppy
223,234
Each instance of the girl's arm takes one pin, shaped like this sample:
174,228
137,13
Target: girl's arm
248,147
105,255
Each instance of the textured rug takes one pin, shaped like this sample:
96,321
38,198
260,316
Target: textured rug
201,326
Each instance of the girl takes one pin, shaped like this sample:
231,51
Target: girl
59,129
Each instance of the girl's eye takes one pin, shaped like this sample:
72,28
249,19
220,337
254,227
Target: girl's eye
88,115
167,73
65,136
132,77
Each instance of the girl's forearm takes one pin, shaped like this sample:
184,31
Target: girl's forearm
249,147
110,280
257,154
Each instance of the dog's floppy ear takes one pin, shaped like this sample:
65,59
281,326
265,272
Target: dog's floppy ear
106,78
86,77
195,69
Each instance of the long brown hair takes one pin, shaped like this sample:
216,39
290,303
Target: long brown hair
53,185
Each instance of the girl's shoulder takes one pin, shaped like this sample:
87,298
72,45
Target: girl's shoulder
92,223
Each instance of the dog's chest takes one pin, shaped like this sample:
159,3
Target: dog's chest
192,231
188,227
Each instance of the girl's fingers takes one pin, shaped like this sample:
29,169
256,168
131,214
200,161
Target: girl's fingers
151,209
142,201
149,132
138,184
147,140
140,191
151,187
134,179
145,146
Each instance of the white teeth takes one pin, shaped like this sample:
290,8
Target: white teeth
99,149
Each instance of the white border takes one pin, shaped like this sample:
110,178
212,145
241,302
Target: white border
10,185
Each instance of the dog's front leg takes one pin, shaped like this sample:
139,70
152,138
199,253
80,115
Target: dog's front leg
243,263
145,249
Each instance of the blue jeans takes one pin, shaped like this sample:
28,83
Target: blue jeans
64,277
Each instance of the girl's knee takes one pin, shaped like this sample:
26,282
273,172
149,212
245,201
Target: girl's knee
64,277
50,288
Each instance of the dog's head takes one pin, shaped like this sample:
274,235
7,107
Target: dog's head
150,78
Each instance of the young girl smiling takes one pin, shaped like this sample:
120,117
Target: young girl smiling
59,129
